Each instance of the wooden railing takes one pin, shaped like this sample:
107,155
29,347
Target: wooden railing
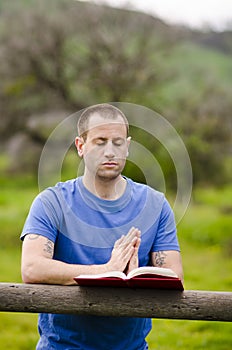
190,305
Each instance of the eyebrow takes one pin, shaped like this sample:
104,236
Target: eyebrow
105,138
99,138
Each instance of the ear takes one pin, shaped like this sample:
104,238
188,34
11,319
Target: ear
79,143
128,144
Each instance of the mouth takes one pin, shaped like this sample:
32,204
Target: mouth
110,164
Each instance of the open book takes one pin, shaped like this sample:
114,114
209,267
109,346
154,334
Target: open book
141,277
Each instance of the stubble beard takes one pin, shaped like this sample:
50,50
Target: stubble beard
107,176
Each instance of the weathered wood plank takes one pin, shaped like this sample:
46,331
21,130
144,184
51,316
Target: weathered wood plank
191,305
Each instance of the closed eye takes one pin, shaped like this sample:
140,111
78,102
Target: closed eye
100,141
119,141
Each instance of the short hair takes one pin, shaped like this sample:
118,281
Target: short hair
106,111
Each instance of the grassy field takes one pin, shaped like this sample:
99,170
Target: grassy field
205,235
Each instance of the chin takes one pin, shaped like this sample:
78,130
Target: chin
108,176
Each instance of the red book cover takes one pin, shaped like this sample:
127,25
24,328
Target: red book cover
144,277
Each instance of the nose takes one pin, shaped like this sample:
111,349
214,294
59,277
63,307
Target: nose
109,150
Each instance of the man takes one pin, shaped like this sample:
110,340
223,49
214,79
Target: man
99,222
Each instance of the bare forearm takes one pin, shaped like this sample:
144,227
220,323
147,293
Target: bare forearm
39,266
52,271
169,259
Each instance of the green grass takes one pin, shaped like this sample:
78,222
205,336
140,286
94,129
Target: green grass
194,335
18,331
205,237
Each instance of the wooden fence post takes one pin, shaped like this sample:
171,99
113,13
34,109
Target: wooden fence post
191,305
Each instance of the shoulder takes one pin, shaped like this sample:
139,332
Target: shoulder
153,201
68,186
56,195
141,189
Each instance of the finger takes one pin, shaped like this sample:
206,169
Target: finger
133,232
130,233
136,249
126,249
137,243
125,240
130,239
127,254
121,260
119,241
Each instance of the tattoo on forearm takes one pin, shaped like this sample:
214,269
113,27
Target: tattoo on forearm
48,248
160,258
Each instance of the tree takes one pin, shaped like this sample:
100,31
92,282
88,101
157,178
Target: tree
70,55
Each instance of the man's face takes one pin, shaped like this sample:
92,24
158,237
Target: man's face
105,148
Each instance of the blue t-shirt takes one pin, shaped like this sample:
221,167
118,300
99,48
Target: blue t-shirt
84,229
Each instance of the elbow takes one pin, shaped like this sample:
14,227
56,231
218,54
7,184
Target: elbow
29,274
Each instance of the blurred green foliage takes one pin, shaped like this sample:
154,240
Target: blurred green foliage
66,55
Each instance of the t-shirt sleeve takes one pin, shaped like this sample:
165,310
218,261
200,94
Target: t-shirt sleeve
166,237
44,217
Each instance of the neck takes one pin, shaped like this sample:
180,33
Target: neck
111,189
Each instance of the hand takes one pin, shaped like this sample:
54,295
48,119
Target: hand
124,249
134,260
